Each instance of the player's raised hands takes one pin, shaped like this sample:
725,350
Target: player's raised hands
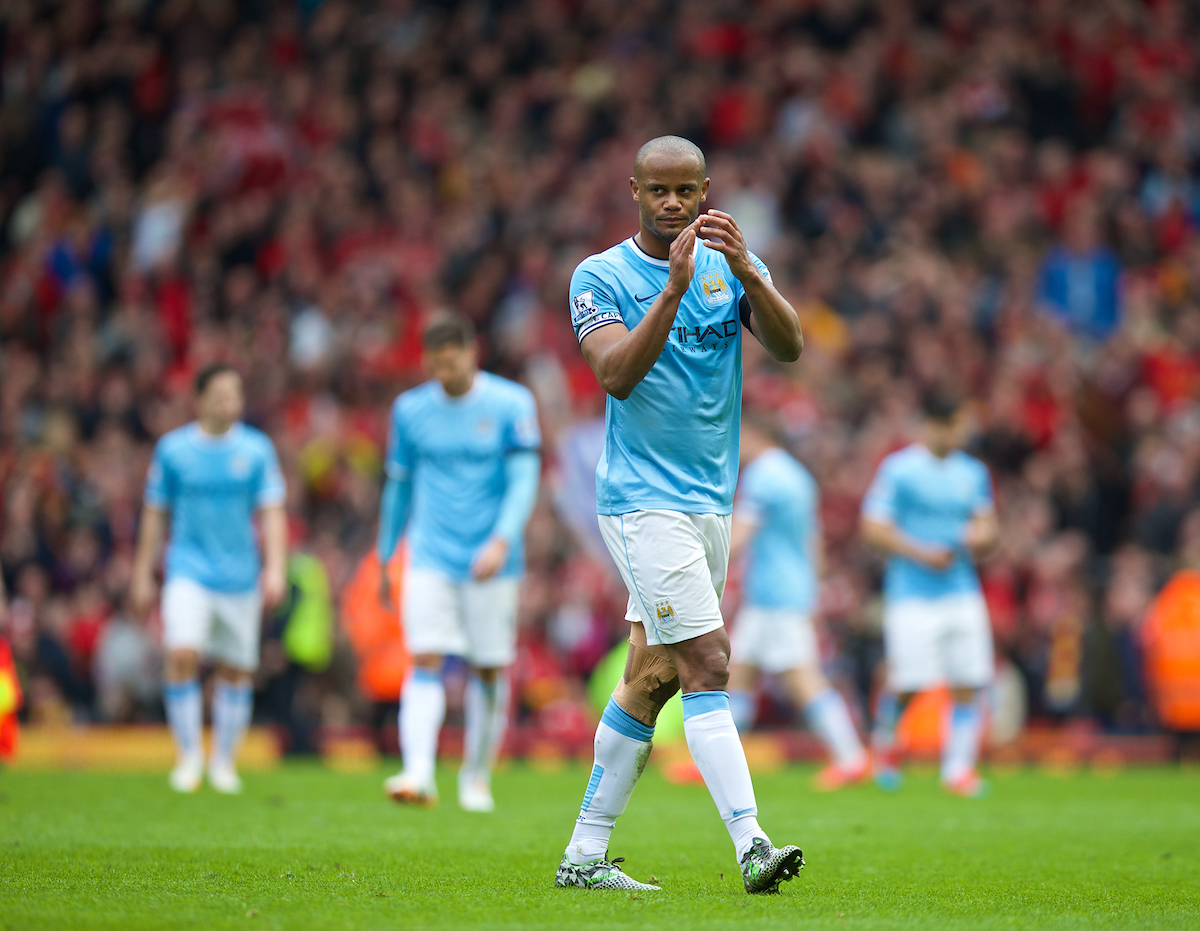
719,231
683,262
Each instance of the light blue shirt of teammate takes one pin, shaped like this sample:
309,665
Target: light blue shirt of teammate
673,443
212,485
456,453
779,496
930,500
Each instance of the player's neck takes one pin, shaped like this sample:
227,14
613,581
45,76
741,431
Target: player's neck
213,429
460,389
651,245
938,452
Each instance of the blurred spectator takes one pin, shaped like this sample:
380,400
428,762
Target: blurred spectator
1000,196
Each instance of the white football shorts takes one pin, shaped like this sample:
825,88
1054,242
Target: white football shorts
220,625
674,567
476,620
773,639
938,640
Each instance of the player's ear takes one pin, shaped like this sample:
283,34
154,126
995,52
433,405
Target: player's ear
633,186
704,190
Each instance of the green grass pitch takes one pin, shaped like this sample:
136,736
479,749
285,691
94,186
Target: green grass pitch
306,848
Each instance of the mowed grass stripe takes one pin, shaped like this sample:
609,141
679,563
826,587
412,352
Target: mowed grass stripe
308,848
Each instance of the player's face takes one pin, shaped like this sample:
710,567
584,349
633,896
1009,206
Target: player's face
669,193
221,405
454,366
944,436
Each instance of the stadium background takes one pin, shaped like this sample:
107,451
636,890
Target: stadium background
998,195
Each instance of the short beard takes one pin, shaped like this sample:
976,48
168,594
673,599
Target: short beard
668,238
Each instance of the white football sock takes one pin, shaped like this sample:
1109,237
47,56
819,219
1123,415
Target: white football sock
486,717
622,749
232,705
715,746
422,709
742,707
185,715
829,717
962,739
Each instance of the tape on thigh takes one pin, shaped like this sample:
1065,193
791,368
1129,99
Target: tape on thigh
649,681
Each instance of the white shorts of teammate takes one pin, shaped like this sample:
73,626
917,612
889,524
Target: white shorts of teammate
476,620
222,625
674,566
773,640
932,640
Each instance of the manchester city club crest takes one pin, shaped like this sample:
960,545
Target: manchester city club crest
716,291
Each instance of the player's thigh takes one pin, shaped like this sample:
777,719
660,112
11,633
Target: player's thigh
432,614
187,615
663,559
911,644
970,662
490,614
237,628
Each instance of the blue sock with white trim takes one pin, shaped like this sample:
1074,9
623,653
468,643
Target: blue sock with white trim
622,748
185,715
422,710
713,741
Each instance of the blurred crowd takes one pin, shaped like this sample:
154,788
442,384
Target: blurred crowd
995,195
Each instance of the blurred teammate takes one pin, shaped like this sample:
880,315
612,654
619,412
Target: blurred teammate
775,524
208,479
930,510
462,478
659,319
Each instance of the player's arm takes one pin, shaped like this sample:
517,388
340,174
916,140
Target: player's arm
274,546
887,537
982,533
620,357
271,501
522,471
741,533
776,323
152,530
394,506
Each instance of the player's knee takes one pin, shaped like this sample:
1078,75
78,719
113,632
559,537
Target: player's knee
649,681
181,665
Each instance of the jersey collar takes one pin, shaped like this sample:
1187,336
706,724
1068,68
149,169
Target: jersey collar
644,256
208,441
477,385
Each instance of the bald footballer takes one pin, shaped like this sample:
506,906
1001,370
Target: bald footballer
659,318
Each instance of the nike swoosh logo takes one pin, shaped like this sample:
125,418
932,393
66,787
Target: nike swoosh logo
738,812
643,300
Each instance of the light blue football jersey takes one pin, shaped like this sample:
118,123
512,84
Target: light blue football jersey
673,443
212,485
454,450
930,500
780,496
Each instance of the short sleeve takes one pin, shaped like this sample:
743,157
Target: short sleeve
160,485
880,501
524,434
985,500
271,490
592,302
398,464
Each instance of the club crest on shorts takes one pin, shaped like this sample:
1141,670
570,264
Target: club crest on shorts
664,610
716,291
